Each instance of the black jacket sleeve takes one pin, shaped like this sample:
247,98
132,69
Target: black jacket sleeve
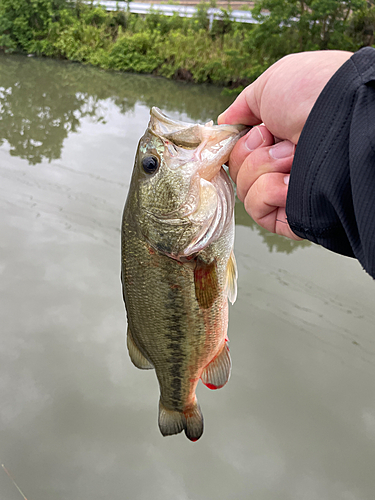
331,194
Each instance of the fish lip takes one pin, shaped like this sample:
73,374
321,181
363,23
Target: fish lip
172,128
155,112
168,130
152,132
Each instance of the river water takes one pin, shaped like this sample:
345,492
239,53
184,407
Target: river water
77,421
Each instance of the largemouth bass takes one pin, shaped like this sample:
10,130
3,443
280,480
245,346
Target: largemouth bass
178,267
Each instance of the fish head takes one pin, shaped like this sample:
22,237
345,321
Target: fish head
184,197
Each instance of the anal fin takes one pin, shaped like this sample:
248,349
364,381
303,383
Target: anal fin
135,354
217,373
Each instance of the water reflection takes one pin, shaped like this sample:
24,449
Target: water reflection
41,101
77,420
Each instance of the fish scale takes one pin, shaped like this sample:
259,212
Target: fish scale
178,266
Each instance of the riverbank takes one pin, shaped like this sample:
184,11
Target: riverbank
228,53
173,47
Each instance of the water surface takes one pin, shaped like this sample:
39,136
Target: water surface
77,420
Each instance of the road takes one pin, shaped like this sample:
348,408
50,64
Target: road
221,4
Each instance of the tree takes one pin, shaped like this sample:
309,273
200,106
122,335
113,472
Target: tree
21,21
362,26
287,26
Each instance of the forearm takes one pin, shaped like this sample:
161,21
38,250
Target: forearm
331,195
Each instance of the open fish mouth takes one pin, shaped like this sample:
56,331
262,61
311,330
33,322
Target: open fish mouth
200,150
182,134
206,146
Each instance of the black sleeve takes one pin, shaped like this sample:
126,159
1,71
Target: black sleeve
331,194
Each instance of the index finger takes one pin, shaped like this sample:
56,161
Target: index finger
244,110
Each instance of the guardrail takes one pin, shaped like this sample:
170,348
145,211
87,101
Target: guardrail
239,16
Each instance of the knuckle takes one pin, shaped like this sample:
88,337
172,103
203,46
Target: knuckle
264,183
264,195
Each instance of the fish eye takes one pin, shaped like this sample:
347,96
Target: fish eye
150,164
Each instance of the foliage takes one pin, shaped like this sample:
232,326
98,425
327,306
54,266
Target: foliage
225,53
24,22
287,26
362,25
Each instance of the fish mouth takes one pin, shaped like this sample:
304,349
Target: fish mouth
206,146
180,133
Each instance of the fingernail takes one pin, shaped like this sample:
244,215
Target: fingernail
286,179
282,150
254,139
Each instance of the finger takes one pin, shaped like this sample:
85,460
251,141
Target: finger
265,202
265,195
278,220
256,138
263,161
244,110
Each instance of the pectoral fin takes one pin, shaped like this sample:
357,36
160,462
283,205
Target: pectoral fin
206,283
231,278
136,356
216,374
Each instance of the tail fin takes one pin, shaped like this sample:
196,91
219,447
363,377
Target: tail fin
170,421
194,422
173,422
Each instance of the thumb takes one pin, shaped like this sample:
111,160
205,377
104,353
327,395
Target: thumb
244,110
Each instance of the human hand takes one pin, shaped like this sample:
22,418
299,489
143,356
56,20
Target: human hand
260,168
282,98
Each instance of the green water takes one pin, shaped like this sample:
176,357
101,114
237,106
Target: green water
77,421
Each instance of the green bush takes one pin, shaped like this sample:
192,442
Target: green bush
229,53
23,22
136,53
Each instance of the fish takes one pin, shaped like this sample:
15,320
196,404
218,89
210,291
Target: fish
178,268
